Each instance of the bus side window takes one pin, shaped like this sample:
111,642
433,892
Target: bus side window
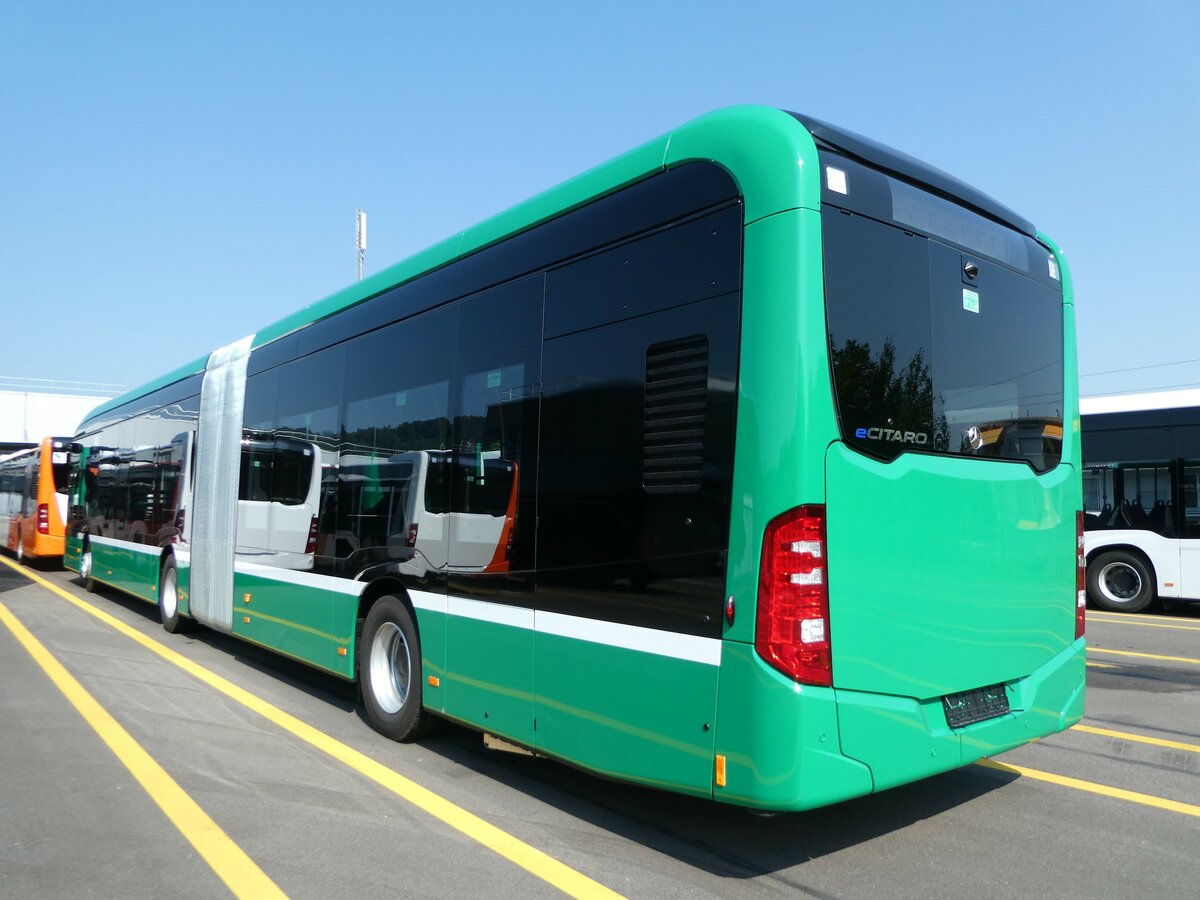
1190,495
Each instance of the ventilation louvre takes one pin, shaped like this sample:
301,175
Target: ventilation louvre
673,424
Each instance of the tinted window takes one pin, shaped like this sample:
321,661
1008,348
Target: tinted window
496,428
276,471
397,413
927,360
310,392
62,477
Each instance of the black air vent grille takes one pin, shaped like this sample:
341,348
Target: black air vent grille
673,428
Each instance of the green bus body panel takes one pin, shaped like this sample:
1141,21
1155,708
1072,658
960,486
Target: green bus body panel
774,161
627,714
1072,442
902,740
131,570
307,623
72,553
490,677
431,632
780,739
799,747
183,585
785,407
946,574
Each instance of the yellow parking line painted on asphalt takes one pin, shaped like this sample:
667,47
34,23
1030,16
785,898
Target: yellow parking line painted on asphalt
1138,738
239,872
1091,787
534,861
1183,659
1153,617
1142,624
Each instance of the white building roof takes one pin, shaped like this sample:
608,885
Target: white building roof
31,409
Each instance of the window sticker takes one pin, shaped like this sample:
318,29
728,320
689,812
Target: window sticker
970,300
1053,267
493,378
835,180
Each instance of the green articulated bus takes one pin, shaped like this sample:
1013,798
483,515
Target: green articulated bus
745,465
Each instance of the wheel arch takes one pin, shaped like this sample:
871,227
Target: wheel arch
1132,549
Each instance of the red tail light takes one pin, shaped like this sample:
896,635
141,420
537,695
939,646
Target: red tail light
792,632
410,540
311,545
43,518
1080,578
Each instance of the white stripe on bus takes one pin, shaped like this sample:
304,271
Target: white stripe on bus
148,549
632,637
674,645
303,579
497,613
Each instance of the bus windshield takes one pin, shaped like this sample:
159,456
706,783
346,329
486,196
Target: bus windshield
938,347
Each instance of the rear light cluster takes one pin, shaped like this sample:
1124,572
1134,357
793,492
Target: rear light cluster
792,632
410,540
43,518
310,546
1080,578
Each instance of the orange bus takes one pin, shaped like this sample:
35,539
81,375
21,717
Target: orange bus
33,499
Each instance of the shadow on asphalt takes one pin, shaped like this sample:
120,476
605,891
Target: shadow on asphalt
726,841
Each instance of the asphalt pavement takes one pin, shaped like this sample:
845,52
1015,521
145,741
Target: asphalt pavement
320,806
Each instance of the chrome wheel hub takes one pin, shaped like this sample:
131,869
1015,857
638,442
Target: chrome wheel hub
390,666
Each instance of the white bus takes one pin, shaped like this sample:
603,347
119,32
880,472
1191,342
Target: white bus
279,494
398,509
1141,496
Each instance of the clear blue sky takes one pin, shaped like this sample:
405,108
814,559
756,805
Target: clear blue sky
174,176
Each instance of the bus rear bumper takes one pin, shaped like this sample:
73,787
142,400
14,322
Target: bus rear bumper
901,739
797,747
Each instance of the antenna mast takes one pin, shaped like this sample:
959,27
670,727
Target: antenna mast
360,221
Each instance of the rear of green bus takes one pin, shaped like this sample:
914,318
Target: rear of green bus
918,602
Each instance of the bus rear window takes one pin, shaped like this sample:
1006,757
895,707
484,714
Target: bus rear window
62,477
471,483
935,349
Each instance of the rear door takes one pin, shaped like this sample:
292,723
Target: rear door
950,514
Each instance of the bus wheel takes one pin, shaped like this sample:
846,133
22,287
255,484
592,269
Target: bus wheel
389,665
1119,581
85,571
168,598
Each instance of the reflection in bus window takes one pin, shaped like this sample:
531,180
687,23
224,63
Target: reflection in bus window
134,495
279,501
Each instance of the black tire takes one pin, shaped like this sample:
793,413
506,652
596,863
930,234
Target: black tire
168,599
1120,581
86,563
389,671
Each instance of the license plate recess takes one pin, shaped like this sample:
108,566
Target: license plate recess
978,705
